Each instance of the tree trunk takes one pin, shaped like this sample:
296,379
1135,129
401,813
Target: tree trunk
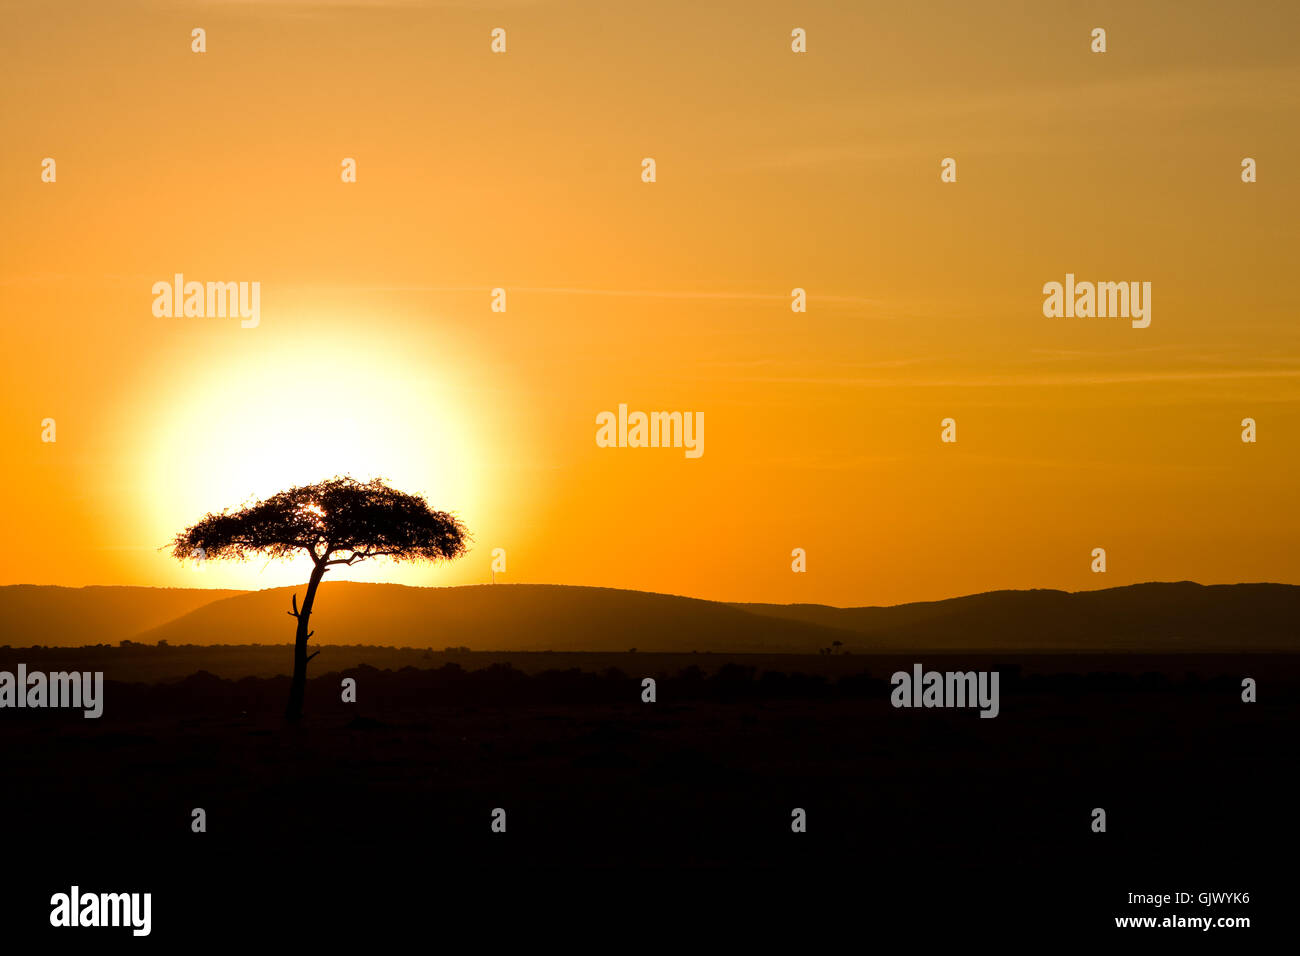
298,688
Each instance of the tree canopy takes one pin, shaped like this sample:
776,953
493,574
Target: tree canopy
337,521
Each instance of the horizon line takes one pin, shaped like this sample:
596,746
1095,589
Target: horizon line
599,587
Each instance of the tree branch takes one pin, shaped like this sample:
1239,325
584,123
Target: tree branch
294,612
364,555
312,654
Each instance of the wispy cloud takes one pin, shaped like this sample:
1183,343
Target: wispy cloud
362,4
917,121
1035,381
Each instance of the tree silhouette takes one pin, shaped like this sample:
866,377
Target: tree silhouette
336,521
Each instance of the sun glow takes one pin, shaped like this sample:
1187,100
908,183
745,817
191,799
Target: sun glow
258,426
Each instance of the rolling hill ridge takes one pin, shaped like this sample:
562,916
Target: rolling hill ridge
1158,617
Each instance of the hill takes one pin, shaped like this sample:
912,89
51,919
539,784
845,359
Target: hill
1154,617
494,617
59,617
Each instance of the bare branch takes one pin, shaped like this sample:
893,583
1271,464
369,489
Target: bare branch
367,555
312,654
294,612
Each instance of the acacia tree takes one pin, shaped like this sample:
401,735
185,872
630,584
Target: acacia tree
336,521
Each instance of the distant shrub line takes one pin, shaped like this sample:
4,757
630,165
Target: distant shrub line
501,685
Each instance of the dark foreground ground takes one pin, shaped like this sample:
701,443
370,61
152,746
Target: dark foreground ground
642,819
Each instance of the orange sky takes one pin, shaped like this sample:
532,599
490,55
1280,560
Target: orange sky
377,352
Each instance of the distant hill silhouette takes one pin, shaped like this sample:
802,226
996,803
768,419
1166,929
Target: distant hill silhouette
1156,616
57,616
495,617
1181,616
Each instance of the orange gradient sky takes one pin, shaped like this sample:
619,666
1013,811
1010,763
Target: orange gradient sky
377,353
